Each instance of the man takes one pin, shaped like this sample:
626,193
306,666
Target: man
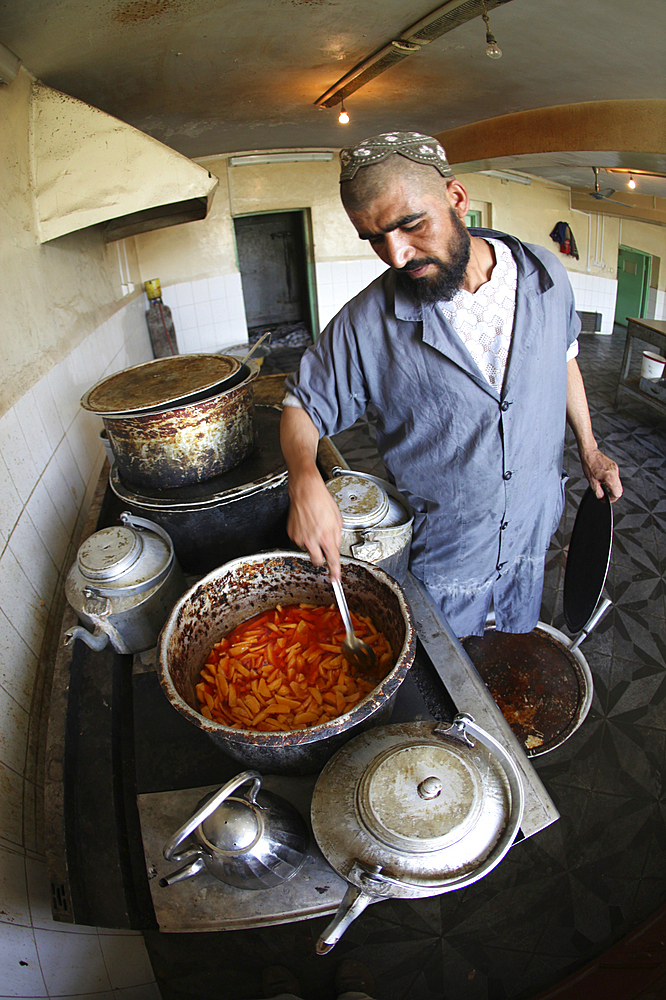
466,347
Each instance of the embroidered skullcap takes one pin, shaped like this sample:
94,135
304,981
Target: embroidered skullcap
413,145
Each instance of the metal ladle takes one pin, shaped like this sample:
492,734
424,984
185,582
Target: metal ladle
355,651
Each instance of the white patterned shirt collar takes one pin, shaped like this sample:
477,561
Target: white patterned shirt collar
484,319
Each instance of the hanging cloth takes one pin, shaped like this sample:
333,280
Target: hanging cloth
562,234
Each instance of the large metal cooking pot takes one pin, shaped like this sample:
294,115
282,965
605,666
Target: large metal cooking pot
414,810
235,514
233,593
180,441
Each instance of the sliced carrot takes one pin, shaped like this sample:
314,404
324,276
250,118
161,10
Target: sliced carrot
284,669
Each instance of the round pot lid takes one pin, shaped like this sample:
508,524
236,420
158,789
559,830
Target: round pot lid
588,559
431,811
420,797
162,382
361,502
109,553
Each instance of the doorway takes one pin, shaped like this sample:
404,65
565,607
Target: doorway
633,284
275,261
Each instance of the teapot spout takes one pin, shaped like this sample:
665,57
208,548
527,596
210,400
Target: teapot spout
351,907
96,640
187,871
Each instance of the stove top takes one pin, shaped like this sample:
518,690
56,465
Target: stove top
189,764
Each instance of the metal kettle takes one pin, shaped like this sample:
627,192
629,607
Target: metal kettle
254,841
124,582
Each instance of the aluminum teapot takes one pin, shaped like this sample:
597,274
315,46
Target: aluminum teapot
254,841
124,582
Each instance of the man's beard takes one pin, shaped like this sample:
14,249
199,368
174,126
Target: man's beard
449,277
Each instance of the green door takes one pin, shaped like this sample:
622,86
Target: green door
633,279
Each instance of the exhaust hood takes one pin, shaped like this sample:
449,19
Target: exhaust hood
90,168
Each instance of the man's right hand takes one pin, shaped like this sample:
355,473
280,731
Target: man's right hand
314,520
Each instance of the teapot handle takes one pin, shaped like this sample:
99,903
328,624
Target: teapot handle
209,807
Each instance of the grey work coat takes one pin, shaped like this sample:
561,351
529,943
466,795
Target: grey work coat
481,468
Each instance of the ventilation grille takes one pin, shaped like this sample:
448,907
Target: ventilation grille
60,907
382,64
449,21
422,31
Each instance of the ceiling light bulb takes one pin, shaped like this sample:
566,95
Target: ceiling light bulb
343,117
632,182
493,51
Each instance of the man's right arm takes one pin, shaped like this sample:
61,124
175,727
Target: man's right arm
314,519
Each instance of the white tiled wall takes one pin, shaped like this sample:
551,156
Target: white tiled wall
595,294
50,459
339,280
208,314
656,306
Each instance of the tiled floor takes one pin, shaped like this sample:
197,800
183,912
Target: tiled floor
564,896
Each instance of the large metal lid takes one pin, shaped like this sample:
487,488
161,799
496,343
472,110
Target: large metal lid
361,502
588,559
109,553
159,383
429,808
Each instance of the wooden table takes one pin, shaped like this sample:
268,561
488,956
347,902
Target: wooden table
652,332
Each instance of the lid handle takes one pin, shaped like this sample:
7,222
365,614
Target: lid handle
430,787
209,807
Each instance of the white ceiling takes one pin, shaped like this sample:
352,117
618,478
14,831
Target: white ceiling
212,76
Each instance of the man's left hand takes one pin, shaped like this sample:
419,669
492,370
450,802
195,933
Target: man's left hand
601,471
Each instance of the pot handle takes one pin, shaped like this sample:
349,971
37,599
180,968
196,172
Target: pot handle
593,622
353,904
209,807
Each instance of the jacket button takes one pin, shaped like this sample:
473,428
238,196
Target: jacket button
507,475
505,406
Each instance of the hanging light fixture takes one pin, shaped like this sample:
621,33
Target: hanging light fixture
343,117
631,182
493,51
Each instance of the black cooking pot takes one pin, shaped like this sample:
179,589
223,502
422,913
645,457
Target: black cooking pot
237,513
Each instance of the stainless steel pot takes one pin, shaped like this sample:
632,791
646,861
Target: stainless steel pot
414,810
182,442
252,584
377,520
123,584
255,841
